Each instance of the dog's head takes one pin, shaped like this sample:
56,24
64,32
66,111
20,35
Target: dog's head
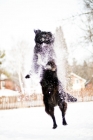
51,66
43,37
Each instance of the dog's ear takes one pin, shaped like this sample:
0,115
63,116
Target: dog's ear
37,31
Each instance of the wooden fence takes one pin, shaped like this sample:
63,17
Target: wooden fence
83,95
33,100
10,102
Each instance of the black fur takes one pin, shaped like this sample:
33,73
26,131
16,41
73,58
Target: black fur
43,37
50,89
43,48
44,42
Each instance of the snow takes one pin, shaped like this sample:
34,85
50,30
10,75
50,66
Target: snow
8,92
34,124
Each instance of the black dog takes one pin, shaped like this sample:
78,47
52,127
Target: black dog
51,86
50,89
43,51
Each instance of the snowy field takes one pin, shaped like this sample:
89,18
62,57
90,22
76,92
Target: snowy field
34,124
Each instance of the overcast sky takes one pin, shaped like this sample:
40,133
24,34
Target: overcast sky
18,18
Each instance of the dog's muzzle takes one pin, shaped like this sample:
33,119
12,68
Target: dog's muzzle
48,67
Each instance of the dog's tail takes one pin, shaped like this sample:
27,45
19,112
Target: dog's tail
70,98
65,96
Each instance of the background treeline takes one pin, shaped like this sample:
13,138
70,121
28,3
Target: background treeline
16,62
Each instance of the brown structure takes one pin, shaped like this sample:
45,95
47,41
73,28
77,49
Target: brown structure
7,84
89,84
78,83
11,97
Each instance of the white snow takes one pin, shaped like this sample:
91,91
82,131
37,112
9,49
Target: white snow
8,92
34,124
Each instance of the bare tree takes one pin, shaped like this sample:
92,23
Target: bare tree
17,58
2,55
3,63
89,23
2,59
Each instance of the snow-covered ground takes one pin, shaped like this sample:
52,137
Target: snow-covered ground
34,124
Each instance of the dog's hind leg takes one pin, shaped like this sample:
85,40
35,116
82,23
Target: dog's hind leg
63,108
50,111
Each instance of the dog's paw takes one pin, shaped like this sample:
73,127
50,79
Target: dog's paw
55,126
64,122
27,76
